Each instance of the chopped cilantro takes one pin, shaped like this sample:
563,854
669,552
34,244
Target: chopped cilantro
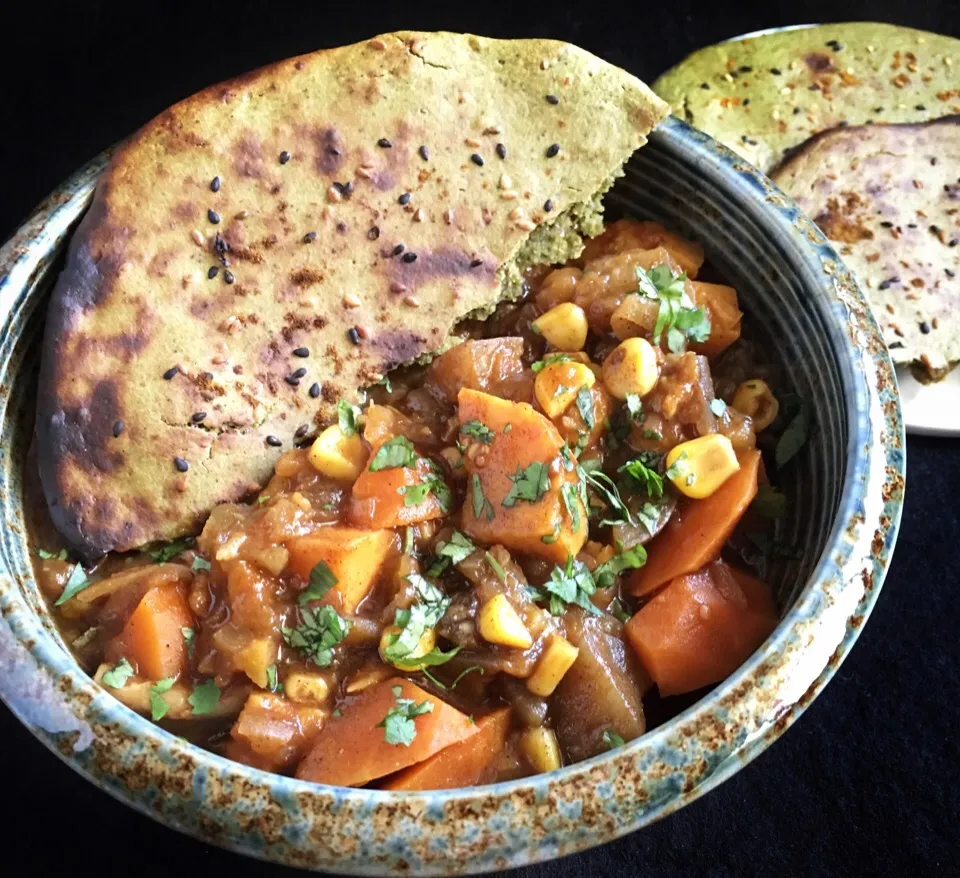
618,610
273,684
457,548
158,705
507,428
496,566
585,407
204,698
200,564
398,726
337,713
571,497
318,632
477,430
603,485
189,639
426,613
430,660
529,484
162,554
321,581
572,584
550,539
634,406
77,582
642,470
677,468
408,538
718,407
629,559
677,314
649,516
394,453
652,435
612,740
549,360
794,436
117,676
348,416
432,483
482,507
769,502
47,556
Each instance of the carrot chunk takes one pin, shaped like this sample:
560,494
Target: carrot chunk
720,303
459,765
352,749
395,497
152,640
701,627
695,534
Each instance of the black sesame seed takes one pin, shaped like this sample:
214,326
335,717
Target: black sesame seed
953,242
878,109
373,233
920,107
302,431
476,263
796,111
409,257
553,99
934,230
171,373
911,225
704,85
208,376
477,159
228,276
552,150
746,68
314,391
925,327
118,428
501,151
424,153
341,227
300,373
814,87
301,352
181,465
198,417
398,249
353,335
345,189
950,272
274,441
215,184
548,205
887,224
895,345
775,71
220,247
746,102
284,157
213,216
213,271
292,381
404,199
386,144
309,236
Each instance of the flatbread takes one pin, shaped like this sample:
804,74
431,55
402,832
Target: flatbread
764,95
171,379
888,196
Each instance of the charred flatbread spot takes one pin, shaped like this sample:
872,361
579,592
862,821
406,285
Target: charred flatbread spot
248,157
398,347
329,150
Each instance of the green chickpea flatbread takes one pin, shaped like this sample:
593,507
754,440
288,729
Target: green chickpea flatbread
279,242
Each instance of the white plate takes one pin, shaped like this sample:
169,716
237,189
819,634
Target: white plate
930,409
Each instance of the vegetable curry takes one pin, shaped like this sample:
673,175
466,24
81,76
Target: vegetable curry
486,571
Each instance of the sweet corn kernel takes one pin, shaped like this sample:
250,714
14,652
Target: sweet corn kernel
631,367
337,455
541,749
428,640
563,327
557,659
699,467
557,385
307,688
756,399
500,623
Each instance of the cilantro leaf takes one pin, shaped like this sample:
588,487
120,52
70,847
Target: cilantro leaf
117,676
189,639
273,684
348,416
769,502
634,406
572,584
398,726
603,485
200,564
431,659
496,566
394,453
477,430
162,554
529,484
677,468
641,469
318,632
612,740
482,507
204,698
571,497
457,548
549,360
158,706
795,436
585,407
677,315
434,601
77,582
618,610
413,622
47,556
629,559
414,495
649,516
321,581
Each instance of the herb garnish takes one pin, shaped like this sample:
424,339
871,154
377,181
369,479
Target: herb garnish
572,584
549,360
618,610
398,726
629,559
496,567
677,314
77,582
189,639
162,554
348,417
318,632
426,613
482,507
634,406
47,556
529,484
585,407
477,430
273,684
200,564
612,740
321,581
117,676
158,706
394,453
795,435
204,698
570,493
643,470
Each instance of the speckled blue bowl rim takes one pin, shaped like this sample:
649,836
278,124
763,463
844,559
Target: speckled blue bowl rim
517,822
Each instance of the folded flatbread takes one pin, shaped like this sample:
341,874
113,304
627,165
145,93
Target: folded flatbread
279,242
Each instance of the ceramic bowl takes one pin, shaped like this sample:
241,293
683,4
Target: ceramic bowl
845,490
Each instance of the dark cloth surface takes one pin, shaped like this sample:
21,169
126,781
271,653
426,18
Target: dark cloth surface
867,782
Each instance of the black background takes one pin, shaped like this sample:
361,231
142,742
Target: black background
867,782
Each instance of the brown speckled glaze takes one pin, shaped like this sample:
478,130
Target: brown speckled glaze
847,491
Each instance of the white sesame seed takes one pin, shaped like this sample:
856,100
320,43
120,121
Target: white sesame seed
411,301
364,172
728,77
509,194
505,181
334,194
419,215
198,239
544,64
526,225
328,212
785,90
350,301
472,141
448,216
516,213
377,43
871,49
243,214
775,114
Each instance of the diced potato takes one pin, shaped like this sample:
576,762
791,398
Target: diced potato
308,688
276,730
540,747
629,234
354,557
255,658
557,287
135,694
428,640
720,303
541,526
631,367
635,316
575,431
338,456
367,677
252,597
557,385
493,365
563,327
500,623
755,399
558,657
699,467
